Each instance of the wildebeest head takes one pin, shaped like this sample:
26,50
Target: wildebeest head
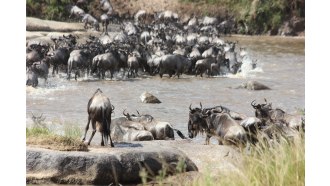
145,118
196,122
262,110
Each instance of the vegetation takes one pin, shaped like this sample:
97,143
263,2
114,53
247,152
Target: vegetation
259,17
267,163
48,9
251,16
41,135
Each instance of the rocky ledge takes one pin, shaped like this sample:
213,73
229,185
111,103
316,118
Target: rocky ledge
122,164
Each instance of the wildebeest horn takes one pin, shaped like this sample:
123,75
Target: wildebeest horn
190,107
200,103
127,115
265,100
138,112
112,107
254,105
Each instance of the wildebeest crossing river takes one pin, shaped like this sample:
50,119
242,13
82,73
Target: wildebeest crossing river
281,66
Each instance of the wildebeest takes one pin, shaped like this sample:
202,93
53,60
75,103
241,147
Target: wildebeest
59,57
266,114
125,130
105,22
112,61
32,76
35,52
76,12
106,6
130,28
99,109
133,65
173,64
78,60
221,125
90,20
204,65
103,63
42,68
160,130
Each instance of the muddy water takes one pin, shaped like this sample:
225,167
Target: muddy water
281,66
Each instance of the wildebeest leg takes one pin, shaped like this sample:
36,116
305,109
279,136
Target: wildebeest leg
102,140
53,73
75,75
111,143
111,74
220,141
207,139
93,132
136,73
86,129
124,73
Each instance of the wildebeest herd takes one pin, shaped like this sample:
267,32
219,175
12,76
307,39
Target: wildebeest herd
229,127
151,44
159,43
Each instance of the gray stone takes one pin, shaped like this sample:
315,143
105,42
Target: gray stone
122,164
101,165
254,85
146,97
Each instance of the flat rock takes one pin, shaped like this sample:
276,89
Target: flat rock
122,164
146,97
35,24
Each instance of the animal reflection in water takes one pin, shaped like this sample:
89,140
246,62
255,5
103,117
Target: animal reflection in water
99,110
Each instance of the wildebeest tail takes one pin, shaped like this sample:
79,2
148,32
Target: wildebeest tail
180,133
105,129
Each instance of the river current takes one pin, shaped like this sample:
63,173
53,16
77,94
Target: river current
280,65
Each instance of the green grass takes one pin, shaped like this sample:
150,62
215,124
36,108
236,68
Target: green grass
44,136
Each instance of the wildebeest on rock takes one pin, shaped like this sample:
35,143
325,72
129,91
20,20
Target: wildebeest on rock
99,111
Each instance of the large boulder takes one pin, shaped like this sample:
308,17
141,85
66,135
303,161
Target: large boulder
102,166
123,163
146,97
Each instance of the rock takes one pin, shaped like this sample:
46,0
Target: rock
146,97
123,163
101,165
254,85
35,24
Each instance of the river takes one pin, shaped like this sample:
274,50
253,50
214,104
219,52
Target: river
281,66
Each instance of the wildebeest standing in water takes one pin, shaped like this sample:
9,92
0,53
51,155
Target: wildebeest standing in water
99,110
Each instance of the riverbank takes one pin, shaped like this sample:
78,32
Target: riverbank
252,17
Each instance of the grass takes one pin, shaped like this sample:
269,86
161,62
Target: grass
267,163
42,136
